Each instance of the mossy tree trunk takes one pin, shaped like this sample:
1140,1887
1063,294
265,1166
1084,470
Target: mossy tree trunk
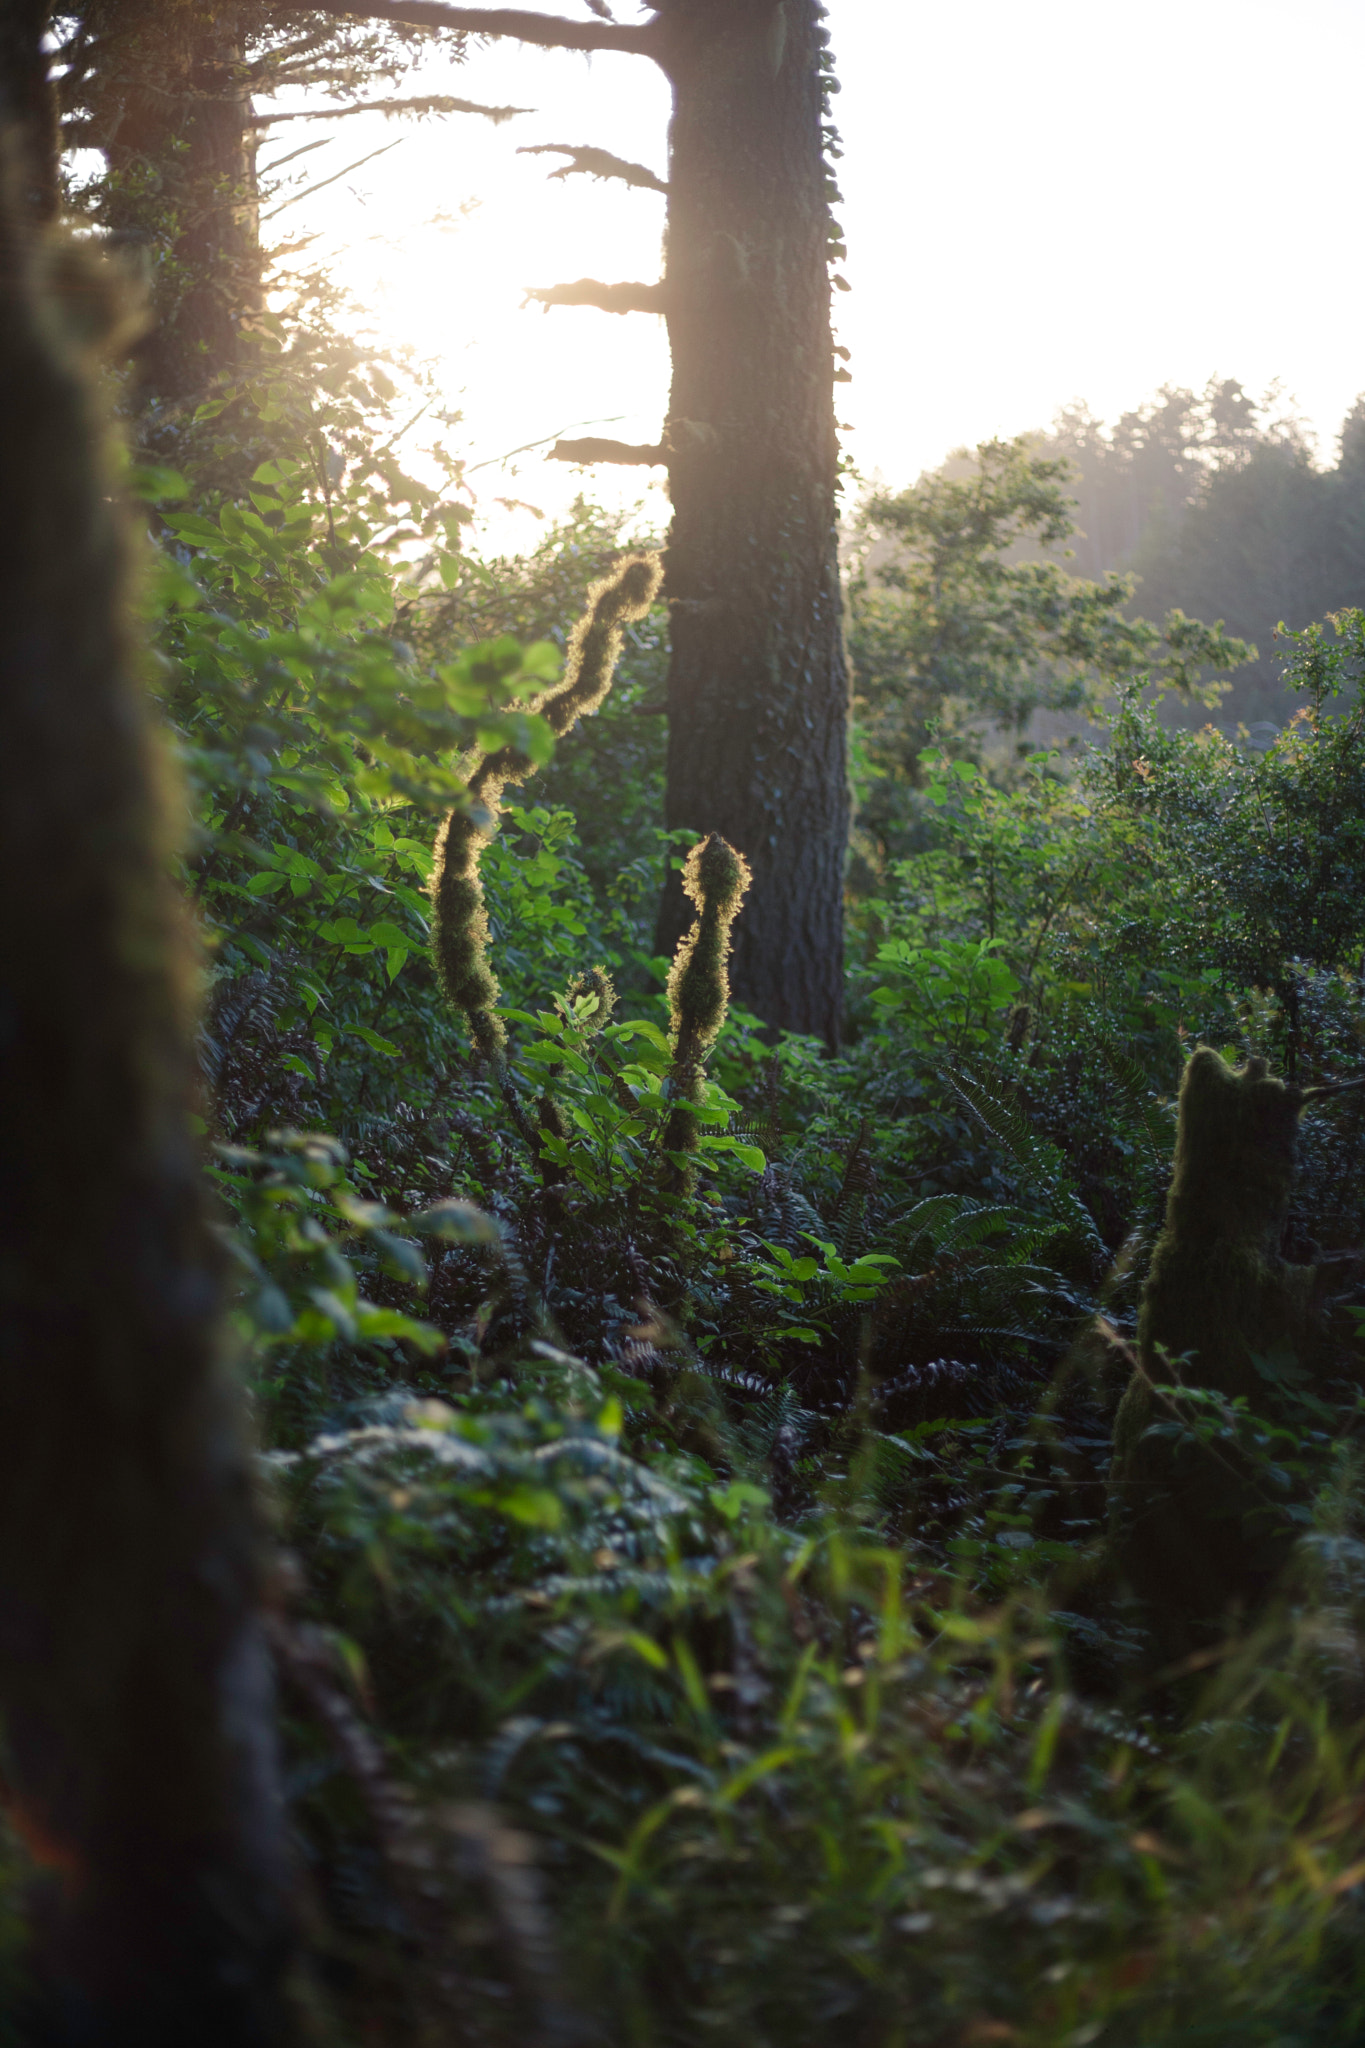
167,97
757,688
135,1686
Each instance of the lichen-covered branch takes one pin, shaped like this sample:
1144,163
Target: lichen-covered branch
421,108
595,163
595,449
631,297
548,31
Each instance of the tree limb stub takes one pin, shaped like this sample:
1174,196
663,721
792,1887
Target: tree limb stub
595,163
547,30
595,450
608,298
438,103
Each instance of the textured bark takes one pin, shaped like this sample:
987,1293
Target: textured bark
134,1680
757,691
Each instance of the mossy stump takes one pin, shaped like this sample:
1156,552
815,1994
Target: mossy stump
1194,1529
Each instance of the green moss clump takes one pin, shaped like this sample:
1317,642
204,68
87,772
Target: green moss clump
1191,1533
460,918
595,982
716,878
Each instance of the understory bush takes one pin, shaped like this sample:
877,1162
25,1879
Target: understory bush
689,1449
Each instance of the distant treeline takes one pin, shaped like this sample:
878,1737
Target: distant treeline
1222,508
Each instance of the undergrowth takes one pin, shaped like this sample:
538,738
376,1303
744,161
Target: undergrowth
688,1449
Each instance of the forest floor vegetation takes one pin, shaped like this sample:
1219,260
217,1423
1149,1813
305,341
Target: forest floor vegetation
688,1453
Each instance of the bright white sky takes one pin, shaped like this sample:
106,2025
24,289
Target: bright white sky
1042,202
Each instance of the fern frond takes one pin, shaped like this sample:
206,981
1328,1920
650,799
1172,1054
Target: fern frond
1151,1122
1043,1165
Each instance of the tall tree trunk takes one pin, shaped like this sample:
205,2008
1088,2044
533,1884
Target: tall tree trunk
171,110
134,1681
757,689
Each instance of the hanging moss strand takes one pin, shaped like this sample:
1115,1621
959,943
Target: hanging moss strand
461,931
460,923
715,878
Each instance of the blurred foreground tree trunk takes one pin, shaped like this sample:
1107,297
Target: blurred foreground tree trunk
135,1686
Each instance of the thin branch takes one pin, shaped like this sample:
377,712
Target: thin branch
623,452
608,298
436,104
323,142
595,163
492,461
547,30
309,190
393,441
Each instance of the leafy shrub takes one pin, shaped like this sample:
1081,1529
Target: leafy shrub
730,1515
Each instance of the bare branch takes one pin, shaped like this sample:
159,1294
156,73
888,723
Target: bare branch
438,103
608,298
492,461
547,30
595,163
304,149
323,183
593,450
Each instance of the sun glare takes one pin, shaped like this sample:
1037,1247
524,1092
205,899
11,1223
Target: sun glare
1041,205
439,240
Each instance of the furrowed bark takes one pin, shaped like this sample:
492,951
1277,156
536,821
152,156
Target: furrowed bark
757,692
135,1684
